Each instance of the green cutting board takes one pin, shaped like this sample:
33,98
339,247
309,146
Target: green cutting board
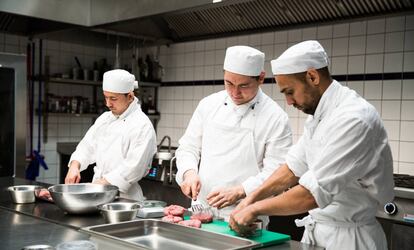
267,238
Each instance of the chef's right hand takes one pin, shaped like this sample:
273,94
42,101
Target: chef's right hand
73,175
191,184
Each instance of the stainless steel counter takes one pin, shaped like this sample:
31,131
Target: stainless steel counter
44,223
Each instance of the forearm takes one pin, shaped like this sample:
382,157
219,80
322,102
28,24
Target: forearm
278,182
297,200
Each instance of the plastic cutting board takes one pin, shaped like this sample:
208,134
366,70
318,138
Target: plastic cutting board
267,238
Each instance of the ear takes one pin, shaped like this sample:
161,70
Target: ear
312,76
262,77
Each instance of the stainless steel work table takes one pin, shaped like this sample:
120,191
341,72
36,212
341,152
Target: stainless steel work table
44,223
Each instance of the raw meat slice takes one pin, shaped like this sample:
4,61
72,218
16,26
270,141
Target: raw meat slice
172,219
191,223
203,217
174,210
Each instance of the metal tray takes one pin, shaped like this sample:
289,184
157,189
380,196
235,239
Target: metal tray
156,234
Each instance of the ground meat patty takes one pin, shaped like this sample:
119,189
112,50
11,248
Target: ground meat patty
191,223
203,217
172,219
174,210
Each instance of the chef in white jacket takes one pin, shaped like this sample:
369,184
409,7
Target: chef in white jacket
341,168
236,137
121,141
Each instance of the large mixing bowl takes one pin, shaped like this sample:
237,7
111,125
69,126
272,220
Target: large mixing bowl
82,198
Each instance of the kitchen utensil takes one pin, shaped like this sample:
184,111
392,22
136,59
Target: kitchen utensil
150,212
38,247
156,234
197,206
23,193
82,198
119,211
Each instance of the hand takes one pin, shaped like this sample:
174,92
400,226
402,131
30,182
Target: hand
191,185
224,197
101,181
241,221
73,175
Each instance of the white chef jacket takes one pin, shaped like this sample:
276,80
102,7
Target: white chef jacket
344,160
122,147
272,133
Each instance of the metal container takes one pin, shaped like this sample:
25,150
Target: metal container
119,211
82,198
23,193
156,234
38,247
77,245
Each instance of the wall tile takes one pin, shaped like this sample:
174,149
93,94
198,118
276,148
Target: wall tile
407,108
188,59
375,43
394,42
295,35
210,44
199,73
409,22
327,45
254,40
358,28
339,65
391,110
281,37
406,151
341,30
393,62
243,40
376,26
279,49
267,38
391,89
373,90
232,41
408,89
393,129
408,62
268,51
209,57
309,33
356,64
340,46
219,57
395,23
374,63
357,45
407,131
406,168
395,151
409,41
358,86
324,32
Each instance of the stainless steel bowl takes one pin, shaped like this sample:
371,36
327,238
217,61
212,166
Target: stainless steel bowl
82,198
23,193
119,211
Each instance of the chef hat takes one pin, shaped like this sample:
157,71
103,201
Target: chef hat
244,60
119,81
299,58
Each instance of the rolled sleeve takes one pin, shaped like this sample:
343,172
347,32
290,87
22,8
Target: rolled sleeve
322,197
296,158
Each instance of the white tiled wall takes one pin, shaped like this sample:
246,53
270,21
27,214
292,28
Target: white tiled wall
60,128
367,46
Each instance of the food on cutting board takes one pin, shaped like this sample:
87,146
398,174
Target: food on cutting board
191,223
174,210
203,217
172,219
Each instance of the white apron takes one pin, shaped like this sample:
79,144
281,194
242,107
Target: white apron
228,158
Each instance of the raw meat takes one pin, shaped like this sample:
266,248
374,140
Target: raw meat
172,219
203,217
174,210
191,223
43,194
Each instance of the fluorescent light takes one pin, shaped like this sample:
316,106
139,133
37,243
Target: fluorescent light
217,1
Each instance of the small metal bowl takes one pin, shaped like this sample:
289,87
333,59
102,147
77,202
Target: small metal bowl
23,193
38,247
119,211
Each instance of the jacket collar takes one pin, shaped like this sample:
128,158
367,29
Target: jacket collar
133,106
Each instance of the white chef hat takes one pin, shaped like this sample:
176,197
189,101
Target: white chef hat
244,60
299,58
119,81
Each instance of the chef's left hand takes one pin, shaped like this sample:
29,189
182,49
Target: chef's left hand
101,181
227,196
242,219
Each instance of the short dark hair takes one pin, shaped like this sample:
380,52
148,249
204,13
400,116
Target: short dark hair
323,72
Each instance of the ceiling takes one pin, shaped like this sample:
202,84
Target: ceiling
163,22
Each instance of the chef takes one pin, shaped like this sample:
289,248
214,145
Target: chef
340,170
121,141
236,137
